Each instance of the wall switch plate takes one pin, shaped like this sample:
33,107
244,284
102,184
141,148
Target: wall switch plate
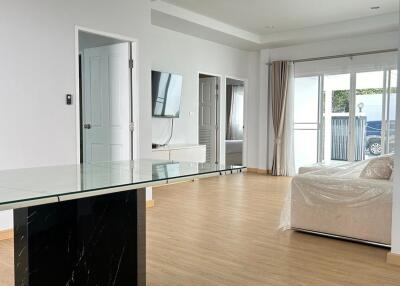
68,99
191,113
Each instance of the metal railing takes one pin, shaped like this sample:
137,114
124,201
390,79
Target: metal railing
340,138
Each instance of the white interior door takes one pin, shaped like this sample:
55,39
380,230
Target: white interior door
106,103
208,125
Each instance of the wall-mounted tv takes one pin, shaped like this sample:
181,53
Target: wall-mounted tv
166,94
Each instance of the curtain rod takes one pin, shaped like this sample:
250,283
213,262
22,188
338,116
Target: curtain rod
342,56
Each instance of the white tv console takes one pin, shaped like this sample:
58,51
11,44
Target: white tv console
181,152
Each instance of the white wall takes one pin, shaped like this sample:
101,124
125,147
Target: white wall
263,110
252,103
38,69
187,55
319,49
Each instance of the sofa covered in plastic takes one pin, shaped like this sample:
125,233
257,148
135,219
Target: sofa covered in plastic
350,201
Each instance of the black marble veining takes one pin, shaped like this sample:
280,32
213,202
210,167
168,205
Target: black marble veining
90,241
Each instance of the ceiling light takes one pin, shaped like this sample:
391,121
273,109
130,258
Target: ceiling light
375,7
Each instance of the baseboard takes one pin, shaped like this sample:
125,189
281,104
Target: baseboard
6,234
150,204
259,171
393,258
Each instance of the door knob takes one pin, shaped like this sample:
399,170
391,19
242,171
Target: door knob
87,126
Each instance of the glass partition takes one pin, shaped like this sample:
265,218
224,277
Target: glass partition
306,117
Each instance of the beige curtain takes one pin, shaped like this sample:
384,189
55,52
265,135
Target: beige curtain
282,77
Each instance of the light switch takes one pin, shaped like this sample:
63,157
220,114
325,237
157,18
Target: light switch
68,99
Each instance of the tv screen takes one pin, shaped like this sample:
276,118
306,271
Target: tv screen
166,94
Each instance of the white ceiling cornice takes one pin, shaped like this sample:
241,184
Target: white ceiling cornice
188,22
362,26
205,21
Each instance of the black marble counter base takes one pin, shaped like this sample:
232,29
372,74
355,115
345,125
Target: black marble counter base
90,241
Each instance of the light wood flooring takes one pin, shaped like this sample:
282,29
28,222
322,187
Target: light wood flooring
224,231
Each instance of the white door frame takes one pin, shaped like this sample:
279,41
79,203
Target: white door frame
134,108
220,151
245,113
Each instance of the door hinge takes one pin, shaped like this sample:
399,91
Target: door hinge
217,86
132,126
131,63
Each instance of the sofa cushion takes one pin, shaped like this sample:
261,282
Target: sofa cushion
380,168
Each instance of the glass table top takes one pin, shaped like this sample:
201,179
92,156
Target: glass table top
51,183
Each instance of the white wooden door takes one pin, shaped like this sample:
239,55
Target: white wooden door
208,128
106,103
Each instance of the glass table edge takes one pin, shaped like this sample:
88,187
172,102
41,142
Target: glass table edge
47,199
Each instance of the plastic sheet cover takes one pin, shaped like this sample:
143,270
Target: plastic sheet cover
345,184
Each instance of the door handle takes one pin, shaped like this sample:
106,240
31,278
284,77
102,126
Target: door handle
87,126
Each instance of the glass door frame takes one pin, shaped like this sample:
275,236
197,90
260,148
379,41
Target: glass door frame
385,142
351,154
320,123
386,91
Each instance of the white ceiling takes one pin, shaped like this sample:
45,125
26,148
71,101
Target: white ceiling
267,23
258,15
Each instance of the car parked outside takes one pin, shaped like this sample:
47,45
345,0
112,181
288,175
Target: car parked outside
374,136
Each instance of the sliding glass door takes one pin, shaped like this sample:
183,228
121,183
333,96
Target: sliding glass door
336,125
344,116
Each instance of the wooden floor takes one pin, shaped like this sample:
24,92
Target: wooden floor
224,231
